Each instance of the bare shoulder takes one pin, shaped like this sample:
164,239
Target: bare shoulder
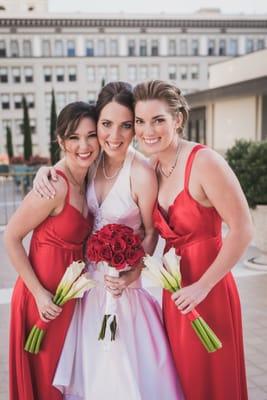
208,158
142,170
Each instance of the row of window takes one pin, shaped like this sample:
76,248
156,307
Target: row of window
18,125
16,102
17,75
142,47
183,72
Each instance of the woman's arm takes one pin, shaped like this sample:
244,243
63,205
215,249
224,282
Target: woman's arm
223,191
143,176
28,216
42,184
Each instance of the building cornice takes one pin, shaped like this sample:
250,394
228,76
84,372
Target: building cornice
132,23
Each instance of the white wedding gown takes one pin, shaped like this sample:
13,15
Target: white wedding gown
136,366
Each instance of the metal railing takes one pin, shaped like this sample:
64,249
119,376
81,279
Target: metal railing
13,188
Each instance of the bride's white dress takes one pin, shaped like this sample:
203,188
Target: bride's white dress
136,366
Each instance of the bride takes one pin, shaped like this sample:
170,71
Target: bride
138,365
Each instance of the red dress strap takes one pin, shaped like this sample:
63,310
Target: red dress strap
189,164
61,173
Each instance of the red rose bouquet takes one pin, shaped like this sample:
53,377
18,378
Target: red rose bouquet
119,248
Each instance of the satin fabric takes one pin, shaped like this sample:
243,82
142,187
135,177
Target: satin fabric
55,243
195,232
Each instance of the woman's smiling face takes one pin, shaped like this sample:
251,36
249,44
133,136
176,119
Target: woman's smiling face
115,129
155,126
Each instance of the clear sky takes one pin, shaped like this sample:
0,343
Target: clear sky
154,6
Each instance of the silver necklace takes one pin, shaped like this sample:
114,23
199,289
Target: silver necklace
75,182
109,178
168,174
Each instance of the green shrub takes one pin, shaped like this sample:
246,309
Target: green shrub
249,162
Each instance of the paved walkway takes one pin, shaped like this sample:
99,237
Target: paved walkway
252,286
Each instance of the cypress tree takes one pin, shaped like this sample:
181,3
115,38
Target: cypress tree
54,147
9,144
26,130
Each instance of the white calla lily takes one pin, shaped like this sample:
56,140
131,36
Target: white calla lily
71,274
172,264
78,288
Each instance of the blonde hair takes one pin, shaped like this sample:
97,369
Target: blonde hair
167,92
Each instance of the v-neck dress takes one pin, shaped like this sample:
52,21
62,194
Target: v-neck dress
136,366
55,243
195,232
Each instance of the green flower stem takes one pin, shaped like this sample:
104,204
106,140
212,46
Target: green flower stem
102,332
202,335
113,328
29,339
34,340
39,341
214,339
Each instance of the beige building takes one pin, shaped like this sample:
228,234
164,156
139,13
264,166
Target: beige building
76,53
234,106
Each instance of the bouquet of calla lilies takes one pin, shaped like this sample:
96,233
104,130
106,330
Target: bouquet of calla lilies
73,285
167,276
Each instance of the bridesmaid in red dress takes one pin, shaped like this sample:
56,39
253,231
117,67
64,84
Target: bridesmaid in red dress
60,227
197,190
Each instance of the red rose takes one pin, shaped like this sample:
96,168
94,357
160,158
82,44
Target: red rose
133,256
118,261
118,245
105,253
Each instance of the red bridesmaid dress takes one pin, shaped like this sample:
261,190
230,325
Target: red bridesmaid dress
195,232
55,243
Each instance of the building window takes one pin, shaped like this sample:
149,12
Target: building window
72,72
71,48
101,48
89,48
30,100
143,72
18,126
16,75
60,100
114,47
211,47
114,73
222,47
260,44
172,72
154,72
183,72
5,101
132,73
102,74
249,45
27,48
143,48
172,47
195,47
232,47
47,74
2,48
59,51
91,74
3,75
154,48
33,126
183,47
60,74
91,98
28,74
73,96
46,48
131,48
14,48
17,101
194,71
